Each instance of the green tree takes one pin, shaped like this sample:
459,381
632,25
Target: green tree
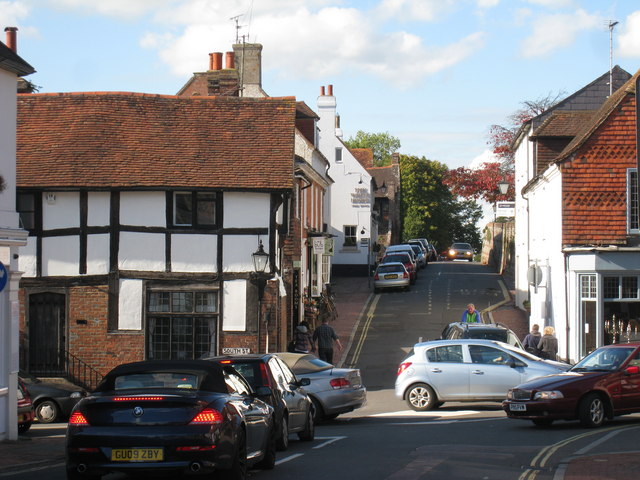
382,144
429,209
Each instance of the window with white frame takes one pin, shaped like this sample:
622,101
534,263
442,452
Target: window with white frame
338,154
633,212
350,236
588,311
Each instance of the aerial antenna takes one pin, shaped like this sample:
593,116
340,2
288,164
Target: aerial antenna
238,26
612,24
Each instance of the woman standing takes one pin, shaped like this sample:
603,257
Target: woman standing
302,340
548,345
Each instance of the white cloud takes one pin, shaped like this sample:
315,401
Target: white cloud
629,38
12,13
488,3
551,32
552,3
126,9
420,10
485,157
331,40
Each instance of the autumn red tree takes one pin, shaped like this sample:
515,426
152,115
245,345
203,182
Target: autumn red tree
481,183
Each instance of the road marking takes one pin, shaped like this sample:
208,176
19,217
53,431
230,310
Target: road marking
329,441
33,469
289,458
365,329
412,413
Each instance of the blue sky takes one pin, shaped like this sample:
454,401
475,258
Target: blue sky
434,73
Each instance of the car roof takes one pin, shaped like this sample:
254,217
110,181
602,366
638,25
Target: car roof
461,341
392,264
478,325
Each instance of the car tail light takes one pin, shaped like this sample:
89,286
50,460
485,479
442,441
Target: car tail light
208,416
266,380
138,398
405,275
78,419
376,277
403,367
340,383
226,362
196,448
84,450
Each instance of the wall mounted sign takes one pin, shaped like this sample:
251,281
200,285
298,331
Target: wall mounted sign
4,276
235,350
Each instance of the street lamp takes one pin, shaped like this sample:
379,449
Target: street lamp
503,186
260,260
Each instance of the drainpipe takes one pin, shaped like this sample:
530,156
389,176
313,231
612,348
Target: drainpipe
566,303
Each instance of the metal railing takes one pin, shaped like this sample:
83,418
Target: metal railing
60,363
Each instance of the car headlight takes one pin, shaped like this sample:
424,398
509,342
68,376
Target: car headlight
510,395
452,252
548,395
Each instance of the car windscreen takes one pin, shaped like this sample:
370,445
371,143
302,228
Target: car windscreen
417,250
604,359
462,246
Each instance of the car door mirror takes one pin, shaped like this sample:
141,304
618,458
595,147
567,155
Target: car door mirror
304,382
632,370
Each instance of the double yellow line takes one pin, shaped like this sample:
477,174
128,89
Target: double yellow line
365,329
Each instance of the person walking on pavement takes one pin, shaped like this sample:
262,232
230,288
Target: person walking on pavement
548,344
324,336
471,315
302,340
531,341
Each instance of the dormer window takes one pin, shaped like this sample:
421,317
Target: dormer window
194,209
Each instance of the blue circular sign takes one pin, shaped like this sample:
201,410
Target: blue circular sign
4,276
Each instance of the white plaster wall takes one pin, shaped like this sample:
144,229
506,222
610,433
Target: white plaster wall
98,254
194,253
523,173
27,258
142,251
60,256
246,210
130,300
64,212
98,209
143,208
234,296
8,109
548,304
346,176
237,252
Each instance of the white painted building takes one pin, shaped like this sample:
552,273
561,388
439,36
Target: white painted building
350,199
11,235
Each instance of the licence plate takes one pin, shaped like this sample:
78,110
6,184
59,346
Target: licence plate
137,455
391,275
517,407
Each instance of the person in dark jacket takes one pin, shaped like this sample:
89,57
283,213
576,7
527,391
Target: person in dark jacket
531,341
302,340
548,344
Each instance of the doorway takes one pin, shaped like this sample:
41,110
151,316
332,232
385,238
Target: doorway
47,326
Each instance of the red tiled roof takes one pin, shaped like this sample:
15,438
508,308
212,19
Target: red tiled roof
364,156
563,124
132,140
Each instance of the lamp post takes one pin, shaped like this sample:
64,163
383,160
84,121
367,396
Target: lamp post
259,278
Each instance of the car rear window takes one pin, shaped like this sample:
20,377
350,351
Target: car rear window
488,334
404,258
152,380
390,269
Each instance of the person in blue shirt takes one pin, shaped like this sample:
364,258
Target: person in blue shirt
471,315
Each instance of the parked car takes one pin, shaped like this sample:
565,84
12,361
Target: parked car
421,258
52,402
486,331
171,417
293,407
466,371
391,275
25,408
433,253
405,259
604,384
332,390
460,251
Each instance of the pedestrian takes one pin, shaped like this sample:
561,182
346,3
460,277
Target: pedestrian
531,341
548,344
302,339
324,336
471,315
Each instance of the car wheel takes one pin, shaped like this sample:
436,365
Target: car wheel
318,412
238,470
421,397
542,422
309,432
282,442
471,259
47,411
269,459
24,427
591,411
73,474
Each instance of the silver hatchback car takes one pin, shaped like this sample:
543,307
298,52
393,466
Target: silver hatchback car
466,371
391,275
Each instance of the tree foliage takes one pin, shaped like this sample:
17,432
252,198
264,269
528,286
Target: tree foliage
481,183
430,210
382,144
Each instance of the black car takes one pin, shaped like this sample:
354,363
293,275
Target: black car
293,407
170,416
52,402
486,331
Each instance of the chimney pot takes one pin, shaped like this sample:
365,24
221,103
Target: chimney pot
322,91
12,41
330,90
229,60
215,61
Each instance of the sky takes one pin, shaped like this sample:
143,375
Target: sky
436,74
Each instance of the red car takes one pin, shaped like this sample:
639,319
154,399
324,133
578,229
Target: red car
25,408
604,384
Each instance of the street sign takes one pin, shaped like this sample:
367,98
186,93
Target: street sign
235,350
505,209
4,276
534,275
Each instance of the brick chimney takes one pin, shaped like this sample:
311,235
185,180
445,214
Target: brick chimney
12,41
248,58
